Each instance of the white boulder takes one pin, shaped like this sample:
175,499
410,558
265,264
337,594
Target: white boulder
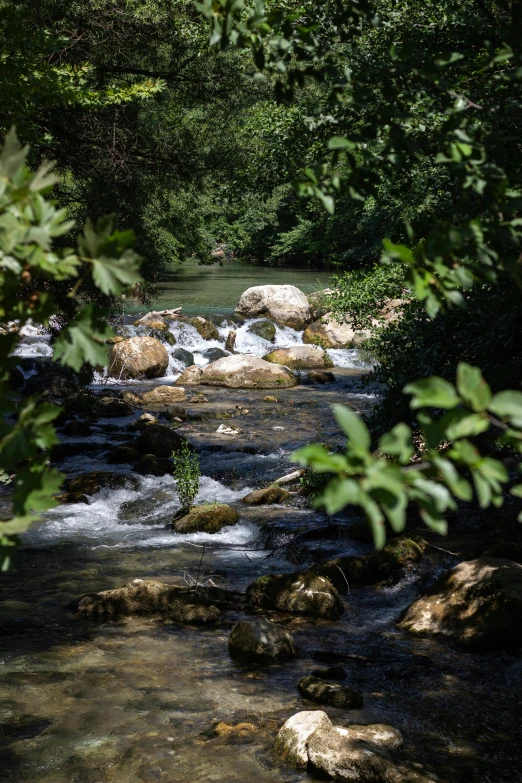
285,304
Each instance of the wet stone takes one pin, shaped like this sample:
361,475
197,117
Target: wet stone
330,693
260,641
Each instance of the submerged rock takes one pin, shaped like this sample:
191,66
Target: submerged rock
123,454
206,519
266,497
300,357
112,409
507,550
138,357
320,376
77,429
199,398
71,497
213,354
192,376
247,372
478,604
90,483
260,641
306,594
160,440
285,304
138,597
165,395
331,693
345,571
150,465
329,333
131,398
176,413
264,329
183,356
195,614
331,673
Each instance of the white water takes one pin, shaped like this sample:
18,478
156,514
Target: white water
137,518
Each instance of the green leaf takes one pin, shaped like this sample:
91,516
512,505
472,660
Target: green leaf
83,341
472,387
398,443
354,428
508,405
338,494
460,423
318,458
340,143
516,490
432,392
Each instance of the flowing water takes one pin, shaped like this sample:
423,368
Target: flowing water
138,700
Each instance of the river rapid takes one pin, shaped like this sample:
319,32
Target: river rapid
144,699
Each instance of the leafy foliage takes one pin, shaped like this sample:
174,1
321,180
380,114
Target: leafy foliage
30,264
187,474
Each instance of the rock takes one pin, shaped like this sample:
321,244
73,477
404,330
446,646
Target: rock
16,379
344,756
90,483
329,333
331,673
231,341
206,519
139,597
223,729
506,550
343,572
305,593
330,693
300,357
398,554
192,376
158,439
56,384
206,329
176,412
165,395
77,429
150,465
138,357
195,614
152,320
247,372
292,741
320,376
213,354
478,604
269,398
183,356
71,497
266,497
112,409
285,304
131,398
260,641
264,329
199,398
145,420
84,403
123,454
380,733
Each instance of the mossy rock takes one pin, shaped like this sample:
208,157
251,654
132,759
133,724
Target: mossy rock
398,553
206,519
90,483
264,329
206,329
331,693
123,454
265,497
343,572
195,614
306,594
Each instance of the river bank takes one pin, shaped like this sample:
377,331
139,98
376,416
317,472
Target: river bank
142,699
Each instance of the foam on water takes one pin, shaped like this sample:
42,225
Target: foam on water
136,517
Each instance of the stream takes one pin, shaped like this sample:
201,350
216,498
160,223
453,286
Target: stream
141,700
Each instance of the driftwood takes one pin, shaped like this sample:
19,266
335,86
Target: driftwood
289,478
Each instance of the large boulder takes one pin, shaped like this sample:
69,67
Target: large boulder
152,321
165,395
478,604
305,593
138,357
329,333
354,753
247,372
158,439
149,465
285,304
331,693
206,519
300,357
264,329
260,641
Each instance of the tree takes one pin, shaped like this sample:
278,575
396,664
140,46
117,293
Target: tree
30,267
414,88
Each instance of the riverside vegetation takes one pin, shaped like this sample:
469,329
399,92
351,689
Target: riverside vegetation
396,122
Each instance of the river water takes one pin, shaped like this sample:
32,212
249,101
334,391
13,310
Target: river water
138,700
